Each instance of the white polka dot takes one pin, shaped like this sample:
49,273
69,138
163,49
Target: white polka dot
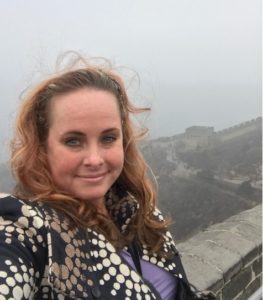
21,237
37,222
26,277
106,262
18,277
129,284
13,269
17,292
106,277
95,253
124,270
39,238
26,290
10,229
112,271
3,274
31,272
103,253
114,293
116,285
147,297
138,297
128,293
99,267
10,281
102,282
160,264
120,278
135,277
4,289
153,260
94,241
137,287
25,211
110,247
144,288
29,233
8,262
115,259
23,221
101,244
24,268
101,237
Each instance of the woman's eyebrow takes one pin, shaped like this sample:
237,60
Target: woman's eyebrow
74,132
111,130
79,133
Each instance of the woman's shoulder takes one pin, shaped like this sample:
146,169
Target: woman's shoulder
15,209
37,213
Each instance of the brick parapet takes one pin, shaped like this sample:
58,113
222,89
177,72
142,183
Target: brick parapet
226,257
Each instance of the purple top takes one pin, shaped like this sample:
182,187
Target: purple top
163,281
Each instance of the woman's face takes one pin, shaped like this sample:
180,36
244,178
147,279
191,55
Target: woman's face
85,144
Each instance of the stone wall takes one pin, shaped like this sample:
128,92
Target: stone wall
204,136
226,257
238,130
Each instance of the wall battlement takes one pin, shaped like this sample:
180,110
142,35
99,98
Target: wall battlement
226,257
205,136
239,129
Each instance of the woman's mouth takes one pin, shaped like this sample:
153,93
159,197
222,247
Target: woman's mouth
92,178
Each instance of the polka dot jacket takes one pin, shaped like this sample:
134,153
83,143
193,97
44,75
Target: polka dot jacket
42,258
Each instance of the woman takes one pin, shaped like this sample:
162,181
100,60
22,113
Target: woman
82,222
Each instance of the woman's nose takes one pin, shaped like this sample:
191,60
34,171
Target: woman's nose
93,157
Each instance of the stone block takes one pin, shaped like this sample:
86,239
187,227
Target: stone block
233,242
257,265
225,260
237,284
249,232
226,257
219,296
201,274
252,287
253,215
241,296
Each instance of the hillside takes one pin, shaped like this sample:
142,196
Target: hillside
195,203
205,185
237,157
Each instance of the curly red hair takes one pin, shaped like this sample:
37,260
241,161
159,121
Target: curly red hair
29,159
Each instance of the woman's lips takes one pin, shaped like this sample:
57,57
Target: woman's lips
92,178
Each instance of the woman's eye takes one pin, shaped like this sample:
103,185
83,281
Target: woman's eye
109,139
72,142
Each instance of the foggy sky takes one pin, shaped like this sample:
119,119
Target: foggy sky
199,62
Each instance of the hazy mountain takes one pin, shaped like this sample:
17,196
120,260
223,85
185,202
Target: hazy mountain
203,181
